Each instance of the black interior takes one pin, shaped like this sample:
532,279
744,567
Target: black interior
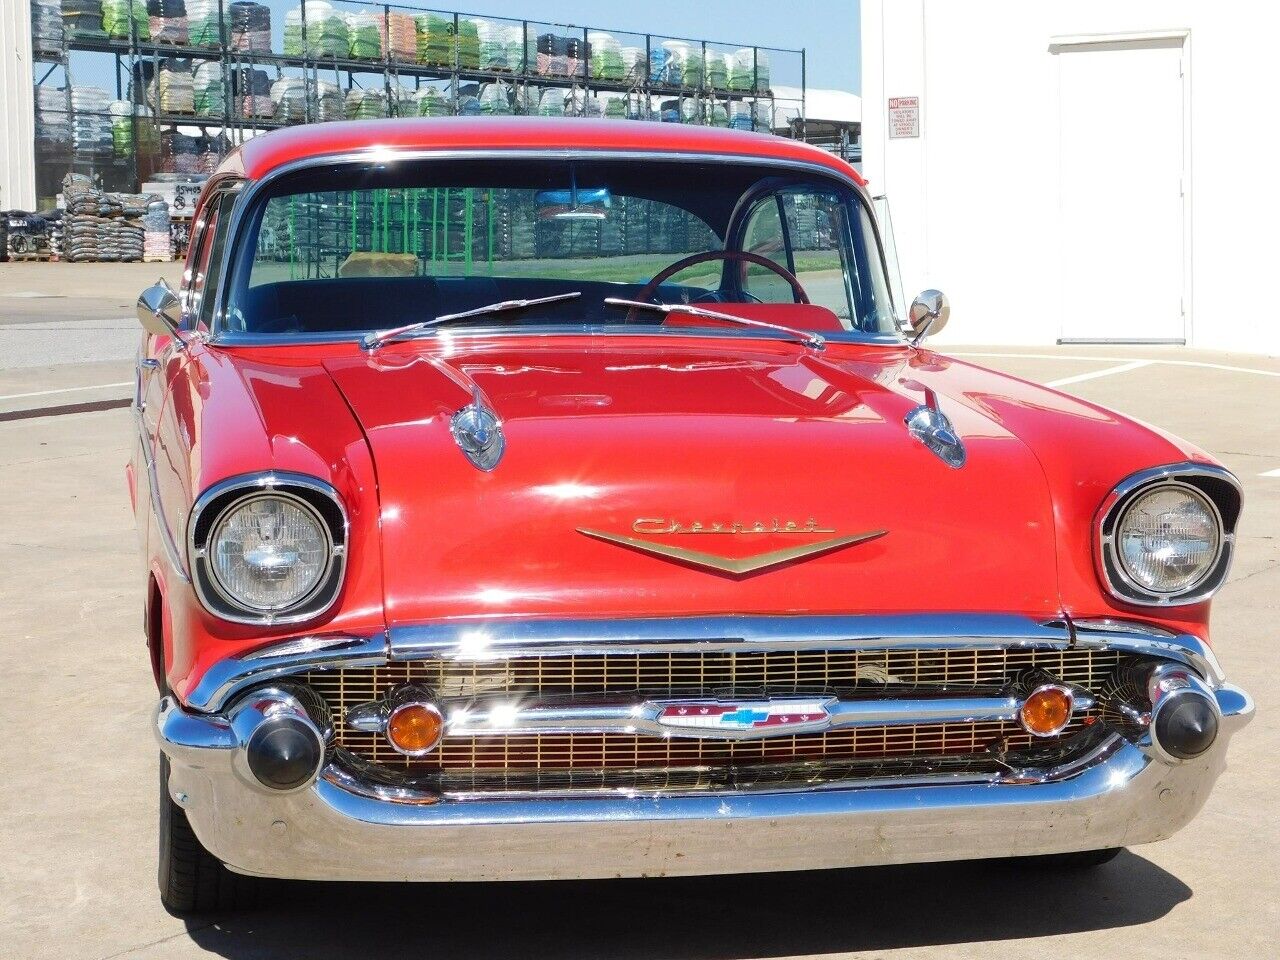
370,303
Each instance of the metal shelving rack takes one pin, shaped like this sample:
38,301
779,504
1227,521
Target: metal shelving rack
132,51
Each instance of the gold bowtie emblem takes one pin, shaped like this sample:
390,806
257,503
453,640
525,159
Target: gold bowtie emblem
734,566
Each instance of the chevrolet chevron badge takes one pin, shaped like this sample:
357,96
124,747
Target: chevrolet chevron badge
743,715
736,566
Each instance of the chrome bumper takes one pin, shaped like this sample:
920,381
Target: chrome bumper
336,829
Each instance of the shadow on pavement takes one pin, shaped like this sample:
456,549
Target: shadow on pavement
875,908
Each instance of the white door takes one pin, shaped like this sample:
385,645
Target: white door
1122,191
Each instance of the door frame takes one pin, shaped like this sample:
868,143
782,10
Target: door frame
1181,38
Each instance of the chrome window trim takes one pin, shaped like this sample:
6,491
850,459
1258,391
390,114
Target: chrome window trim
298,654
1111,511
380,154
277,482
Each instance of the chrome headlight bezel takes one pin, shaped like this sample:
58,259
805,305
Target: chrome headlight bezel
310,493
1215,486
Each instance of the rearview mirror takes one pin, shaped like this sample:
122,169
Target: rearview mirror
159,310
929,313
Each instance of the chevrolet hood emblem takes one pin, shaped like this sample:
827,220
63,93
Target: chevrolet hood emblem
734,566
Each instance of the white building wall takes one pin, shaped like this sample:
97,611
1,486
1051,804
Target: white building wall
17,109
974,199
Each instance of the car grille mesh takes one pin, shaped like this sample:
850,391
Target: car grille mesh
629,760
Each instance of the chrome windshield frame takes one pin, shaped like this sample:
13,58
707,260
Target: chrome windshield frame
379,156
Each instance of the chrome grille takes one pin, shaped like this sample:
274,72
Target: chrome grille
596,760
779,672
608,751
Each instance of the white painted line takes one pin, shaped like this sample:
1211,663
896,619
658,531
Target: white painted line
1105,372
45,393
1067,356
1270,473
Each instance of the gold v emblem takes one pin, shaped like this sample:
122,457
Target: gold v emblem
736,567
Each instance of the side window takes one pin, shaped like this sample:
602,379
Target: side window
213,269
764,236
198,260
818,236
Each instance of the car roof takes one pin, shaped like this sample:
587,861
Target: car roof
268,152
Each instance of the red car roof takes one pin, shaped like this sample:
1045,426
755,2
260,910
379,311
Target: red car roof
266,152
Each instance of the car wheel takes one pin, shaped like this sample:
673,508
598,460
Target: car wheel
192,880
1080,860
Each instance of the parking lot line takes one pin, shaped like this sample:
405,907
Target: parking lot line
1270,473
1105,372
45,393
1066,356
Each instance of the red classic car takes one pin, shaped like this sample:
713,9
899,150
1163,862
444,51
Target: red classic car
566,499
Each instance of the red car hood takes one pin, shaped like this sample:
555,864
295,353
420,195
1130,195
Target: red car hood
644,438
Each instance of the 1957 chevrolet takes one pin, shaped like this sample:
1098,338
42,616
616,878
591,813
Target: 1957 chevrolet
550,499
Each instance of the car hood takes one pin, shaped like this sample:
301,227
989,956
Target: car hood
621,453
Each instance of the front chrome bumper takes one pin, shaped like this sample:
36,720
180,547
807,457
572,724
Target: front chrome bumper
1122,794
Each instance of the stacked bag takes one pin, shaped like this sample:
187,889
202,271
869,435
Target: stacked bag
209,98
250,26
495,99
203,26
328,100
173,90
47,30
82,238
606,57
327,32
251,93
53,122
91,123
501,45
82,19
168,20
435,40
398,33
432,103
289,96
365,34
116,15
748,70
157,235
179,153
365,104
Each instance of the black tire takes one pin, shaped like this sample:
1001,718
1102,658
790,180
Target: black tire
192,880
1081,860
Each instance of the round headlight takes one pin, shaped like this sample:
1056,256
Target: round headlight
1168,539
269,552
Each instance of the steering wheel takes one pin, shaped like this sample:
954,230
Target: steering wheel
736,256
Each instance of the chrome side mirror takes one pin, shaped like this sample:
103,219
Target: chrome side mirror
929,313
159,309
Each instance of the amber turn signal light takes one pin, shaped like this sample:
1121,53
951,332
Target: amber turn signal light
1047,711
415,728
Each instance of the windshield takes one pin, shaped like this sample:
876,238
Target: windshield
347,249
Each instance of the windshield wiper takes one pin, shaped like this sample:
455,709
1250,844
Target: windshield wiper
378,337
808,338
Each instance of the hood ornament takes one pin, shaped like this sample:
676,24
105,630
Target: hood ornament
478,433
931,427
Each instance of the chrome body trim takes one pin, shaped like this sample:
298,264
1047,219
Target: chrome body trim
654,717
479,640
382,156
228,677
341,829
278,483
171,550
1111,512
